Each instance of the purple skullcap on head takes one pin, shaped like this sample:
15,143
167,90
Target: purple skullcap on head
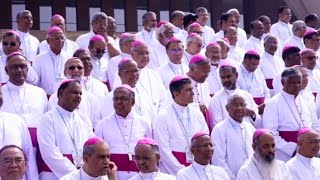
123,60
213,44
53,29
303,131
228,63
178,78
57,16
125,35
199,134
138,43
287,47
13,32
252,52
306,50
197,58
195,24
97,37
146,140
161,23
225,40
192,35
18,52
92,141
258,133
309,32
172,39
126,86
66,81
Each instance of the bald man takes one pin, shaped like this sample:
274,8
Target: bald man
69,46
263,164
306,163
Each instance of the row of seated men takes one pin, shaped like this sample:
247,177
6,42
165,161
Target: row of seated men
277,93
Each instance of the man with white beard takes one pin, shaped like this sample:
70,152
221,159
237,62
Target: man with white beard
263,165
213,53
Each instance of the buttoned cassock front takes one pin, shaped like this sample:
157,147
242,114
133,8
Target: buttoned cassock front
254,43
69,47
29,45
304,168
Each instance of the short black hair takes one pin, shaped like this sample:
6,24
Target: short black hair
310,17
174,15
188,19
66,84
78,52
13,146
289,51
309,36
251,56
262,18
282,8
252,23
178,85
225,16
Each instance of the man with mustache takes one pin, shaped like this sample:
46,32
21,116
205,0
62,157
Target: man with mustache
263,165
193,47
213,53
202,150
306,163
236,53
231,137
128,128
255,41
217,111
148,34
208,32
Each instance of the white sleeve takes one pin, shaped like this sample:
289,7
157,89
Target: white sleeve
215,111
32,76
50,152
37,68
243,174
182,176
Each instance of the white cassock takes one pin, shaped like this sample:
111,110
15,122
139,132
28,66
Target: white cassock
284,115
270,66
80,174
50,69
201,92
61,136
242,37
233,145
254,43
207,35
314,81
173,130
122,140
176,30
69,47
214,80
203,172
29,45
153,176
236,53
217,107
282,31
218,35
295,41
99,69
112,69
94,86
187,57
254,170
84,39
14,131
158,56
254,83
276,82
88,107
32,76
264,36
148,37
170,70
304,168
183,34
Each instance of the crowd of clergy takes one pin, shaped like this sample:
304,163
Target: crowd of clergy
176,100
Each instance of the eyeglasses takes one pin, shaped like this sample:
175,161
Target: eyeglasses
132,71
12,44
176,51
314,141
238,104
312,57
199,45
18,66
142,158
100,51
142,52
122,98
8,161
74,67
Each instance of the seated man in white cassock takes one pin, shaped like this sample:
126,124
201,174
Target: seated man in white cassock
208,32
49,65
96,162
175,126
89,83
69,46
217,107
251,79
213,53
232,137
242,35
255,41
89,106
306,163
129,127
15,132
202,151
99,25
270,64
263,165
129,72
176,18
174,50
225,47
298,30
125,43
236,53
62,133
147,158
193,47
25,100
148,34
287,112
11,43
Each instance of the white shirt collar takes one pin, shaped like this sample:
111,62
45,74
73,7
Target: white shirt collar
268,55
125,55
304,160
23,34
283,23
85,176
128,117
64,113
255,39
287,95
178,107
15,87
175,66
151,175
235,123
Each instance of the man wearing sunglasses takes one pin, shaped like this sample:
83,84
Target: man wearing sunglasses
147,158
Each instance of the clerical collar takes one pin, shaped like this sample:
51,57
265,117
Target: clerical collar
246,71
23,34
189,56
175,66
54,54
297,38
304,160
151,175
125,55
179,108
268,55
85,176
287,95
236,123
64,112
176,29
198,166
283,23
128,117
15,87
255,39
230,91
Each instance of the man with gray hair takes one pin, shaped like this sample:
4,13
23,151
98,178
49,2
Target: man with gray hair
97,164
149,22
242,35
99,25
231,136
298,30
208,32
176,19
193,47
286,113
